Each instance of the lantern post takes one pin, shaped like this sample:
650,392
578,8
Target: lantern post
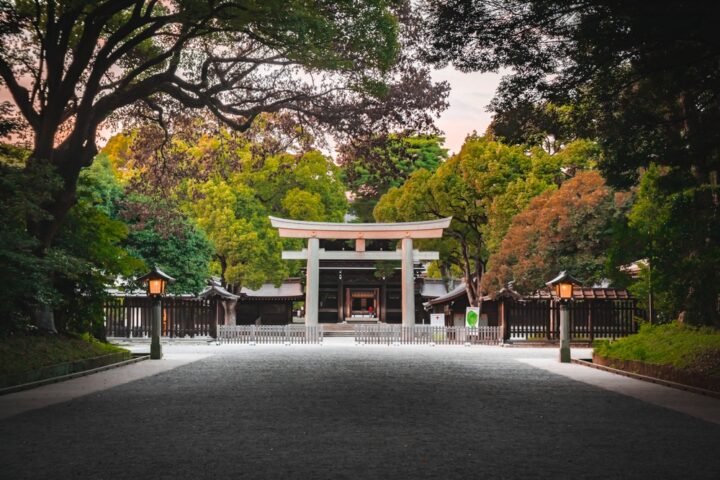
562,289
156,281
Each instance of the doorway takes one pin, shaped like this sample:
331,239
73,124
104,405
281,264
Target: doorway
362,303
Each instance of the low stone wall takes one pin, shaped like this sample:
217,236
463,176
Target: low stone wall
62,369
664,372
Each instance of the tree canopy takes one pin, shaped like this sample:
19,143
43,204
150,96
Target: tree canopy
482,188
69,66
640,78
228,183
374,164
564,229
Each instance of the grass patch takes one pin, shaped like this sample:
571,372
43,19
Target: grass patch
24,353
690,348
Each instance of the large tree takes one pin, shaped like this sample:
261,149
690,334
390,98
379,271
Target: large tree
373,164
642,78
69,66
482,188
564,229
228,183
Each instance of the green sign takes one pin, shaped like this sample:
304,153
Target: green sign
472,316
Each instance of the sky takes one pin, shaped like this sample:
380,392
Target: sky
470,93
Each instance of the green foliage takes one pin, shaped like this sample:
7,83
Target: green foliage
374,165
228,184
184,255
564,229
482,187
674,225
23,353
638,77
676,344
89,252
25,277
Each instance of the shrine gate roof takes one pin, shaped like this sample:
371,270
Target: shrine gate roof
386,231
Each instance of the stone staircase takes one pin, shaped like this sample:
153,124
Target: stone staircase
337,330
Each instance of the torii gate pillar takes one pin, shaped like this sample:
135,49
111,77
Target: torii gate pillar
312,283
408,283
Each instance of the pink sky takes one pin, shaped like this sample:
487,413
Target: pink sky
469,95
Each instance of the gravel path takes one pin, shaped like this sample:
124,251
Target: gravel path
338,412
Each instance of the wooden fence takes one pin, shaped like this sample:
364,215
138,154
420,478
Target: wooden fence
261,334
426,335
539,320
181,317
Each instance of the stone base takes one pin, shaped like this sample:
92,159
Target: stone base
362,320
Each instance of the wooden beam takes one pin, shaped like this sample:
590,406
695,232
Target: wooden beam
418,256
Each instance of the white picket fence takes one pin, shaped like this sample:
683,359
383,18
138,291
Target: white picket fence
426,334
262,334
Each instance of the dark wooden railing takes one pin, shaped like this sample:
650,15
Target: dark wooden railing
539,320
181,317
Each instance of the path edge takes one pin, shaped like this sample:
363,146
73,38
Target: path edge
637,376
70,376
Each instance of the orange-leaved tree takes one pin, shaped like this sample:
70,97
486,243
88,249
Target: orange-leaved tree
565,229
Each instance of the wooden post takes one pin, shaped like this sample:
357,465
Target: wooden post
155,347
591,304
504,330
383,301
564,333
340,298
407,283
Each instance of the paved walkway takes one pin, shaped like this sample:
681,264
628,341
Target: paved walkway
340,411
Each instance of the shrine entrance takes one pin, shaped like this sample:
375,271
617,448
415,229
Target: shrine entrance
362,304
359,302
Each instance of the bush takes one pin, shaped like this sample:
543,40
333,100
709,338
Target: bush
695,349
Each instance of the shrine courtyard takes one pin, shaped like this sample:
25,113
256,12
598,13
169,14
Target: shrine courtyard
342,411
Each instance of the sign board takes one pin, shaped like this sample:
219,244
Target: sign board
437,319
472,317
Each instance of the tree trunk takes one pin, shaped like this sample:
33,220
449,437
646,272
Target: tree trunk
61,168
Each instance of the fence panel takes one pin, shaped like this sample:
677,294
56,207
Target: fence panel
539,320
531,320
425,335
270,334
181,317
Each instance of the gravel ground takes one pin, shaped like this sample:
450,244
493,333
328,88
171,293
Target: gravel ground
342,412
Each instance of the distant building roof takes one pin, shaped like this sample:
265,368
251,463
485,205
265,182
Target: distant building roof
433,288
217,290
453,294
587,293
579,293
290,289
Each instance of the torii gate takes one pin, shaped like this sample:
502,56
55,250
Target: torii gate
359,232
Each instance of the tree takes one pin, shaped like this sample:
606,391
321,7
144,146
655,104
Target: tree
563,229
69,66
463,187
641,77
25,278
372,165
682,249
185,254
228,183
88,253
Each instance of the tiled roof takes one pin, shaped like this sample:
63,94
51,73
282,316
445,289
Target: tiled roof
433,288
453,294
588,293
288,290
